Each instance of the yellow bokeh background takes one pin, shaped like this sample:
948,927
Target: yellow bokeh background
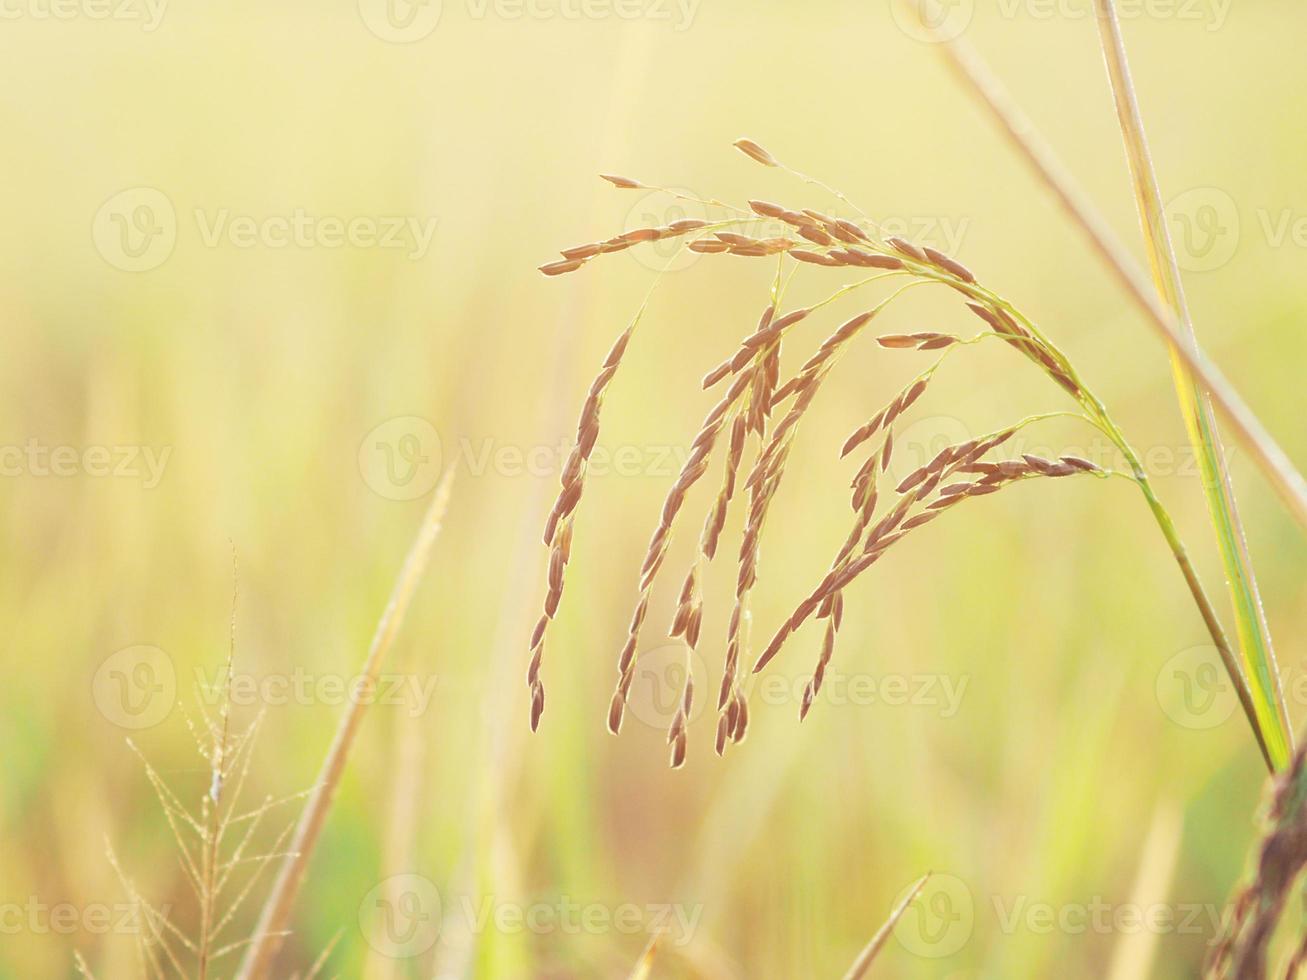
303,393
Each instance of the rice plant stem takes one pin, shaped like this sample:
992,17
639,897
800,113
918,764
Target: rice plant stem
1276,466
1205,609
1164,521
1254,633
1100,416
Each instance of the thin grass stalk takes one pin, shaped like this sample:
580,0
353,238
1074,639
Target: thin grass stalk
1275,465
320,963
1135,952
1254,635
399,845
644,966
972,70
275,915
212,838
869,953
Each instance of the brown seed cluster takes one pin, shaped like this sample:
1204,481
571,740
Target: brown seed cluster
576,256
686,623
754,390
924,491
837,240
883,419
951,266
744,245
1019,337
558,528
740,406
918,341
765,341
695,466
818,228
762,484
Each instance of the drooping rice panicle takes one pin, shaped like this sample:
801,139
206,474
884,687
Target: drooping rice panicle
922,490
805,238
762,484
558,527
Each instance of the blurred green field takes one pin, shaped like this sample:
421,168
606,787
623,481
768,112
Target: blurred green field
274,357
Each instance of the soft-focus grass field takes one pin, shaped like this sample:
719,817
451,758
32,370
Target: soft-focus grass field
1021,709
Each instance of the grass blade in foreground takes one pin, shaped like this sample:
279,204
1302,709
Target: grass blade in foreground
1254,636
276,910
869,953
644,967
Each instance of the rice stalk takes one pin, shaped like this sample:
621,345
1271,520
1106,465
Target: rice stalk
1259,661
1275,465
1270,458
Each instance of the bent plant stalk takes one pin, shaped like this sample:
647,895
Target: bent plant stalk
1254,634
1165,318
1265,452
753,391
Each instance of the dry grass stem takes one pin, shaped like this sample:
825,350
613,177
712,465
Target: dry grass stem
644,966
275,916
216,846
869,953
